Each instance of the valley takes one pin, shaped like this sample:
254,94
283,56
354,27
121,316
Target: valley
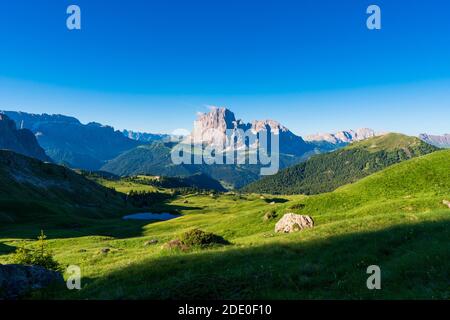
224,158
385,219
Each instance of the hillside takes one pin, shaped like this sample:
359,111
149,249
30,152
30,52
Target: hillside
419,184
326,172
31,190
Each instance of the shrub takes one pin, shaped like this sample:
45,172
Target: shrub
38,256
298,206
197,237
270,215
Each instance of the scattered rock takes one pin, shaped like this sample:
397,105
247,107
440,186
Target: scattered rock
151,242
446,202
291,222
176,244
268,235
272,203
17,280
105,250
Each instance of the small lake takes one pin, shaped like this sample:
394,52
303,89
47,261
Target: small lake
151,216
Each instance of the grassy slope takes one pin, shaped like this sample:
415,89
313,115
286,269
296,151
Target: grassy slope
394,219
326,172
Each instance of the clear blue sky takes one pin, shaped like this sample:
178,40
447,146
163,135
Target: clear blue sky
151,65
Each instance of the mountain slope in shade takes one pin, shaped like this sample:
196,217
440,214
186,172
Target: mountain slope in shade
438,141
31,190
66,140
21,141
326,172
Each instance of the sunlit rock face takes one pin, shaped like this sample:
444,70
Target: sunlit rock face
219,127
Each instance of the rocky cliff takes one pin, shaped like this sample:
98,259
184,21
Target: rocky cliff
21,141
220,127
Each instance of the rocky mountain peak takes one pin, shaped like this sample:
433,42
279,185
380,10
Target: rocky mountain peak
211,129
268,125
218,118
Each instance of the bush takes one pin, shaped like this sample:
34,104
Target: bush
38,256
197,237
270,215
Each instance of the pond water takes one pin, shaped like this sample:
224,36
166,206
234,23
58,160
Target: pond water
151,216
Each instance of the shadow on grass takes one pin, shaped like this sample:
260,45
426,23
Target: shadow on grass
6,249
70,226
414,261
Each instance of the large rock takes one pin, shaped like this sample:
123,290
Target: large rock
293,222
446,202
17,280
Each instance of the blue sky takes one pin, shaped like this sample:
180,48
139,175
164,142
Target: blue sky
151,65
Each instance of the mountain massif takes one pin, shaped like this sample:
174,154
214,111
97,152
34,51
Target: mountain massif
21,141
67,141
220,127
326,172
217,127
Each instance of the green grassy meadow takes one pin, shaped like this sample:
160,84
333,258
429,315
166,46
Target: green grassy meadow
394,218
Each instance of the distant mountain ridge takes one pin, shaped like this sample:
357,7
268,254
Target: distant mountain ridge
19,140
326,172
67,141
342,137
435,140
145,136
